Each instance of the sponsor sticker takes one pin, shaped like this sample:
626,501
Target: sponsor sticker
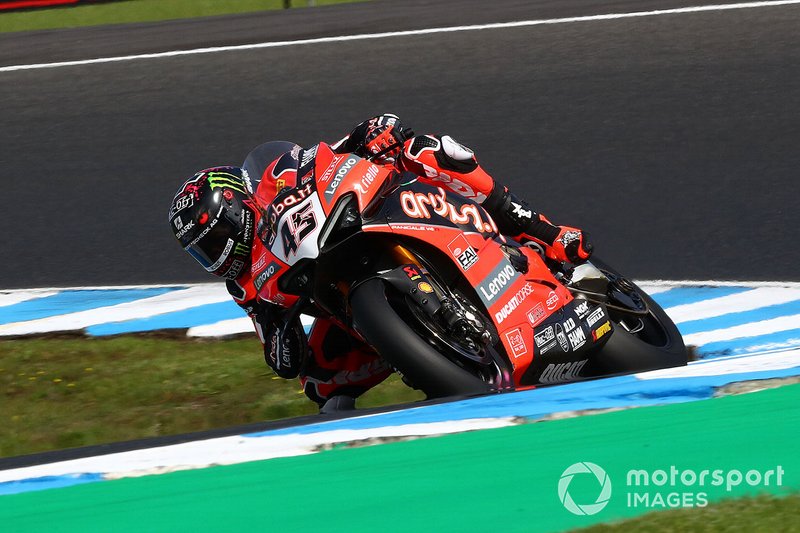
308,155
582,308
536,314
602,330
468,258
181,203
561,372
343,169
495,283
259,263
425,287
513,303
552,300
562,337
463,252
577,338
329,171
233,271
412,272
182,231
367,180
596,316
517,343
544,337
265,275
421,205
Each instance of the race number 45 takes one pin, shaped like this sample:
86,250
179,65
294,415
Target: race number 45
298,226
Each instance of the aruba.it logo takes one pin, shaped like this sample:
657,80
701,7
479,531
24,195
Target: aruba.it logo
582,469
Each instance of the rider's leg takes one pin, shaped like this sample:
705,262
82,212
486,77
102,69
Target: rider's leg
339,365
442,160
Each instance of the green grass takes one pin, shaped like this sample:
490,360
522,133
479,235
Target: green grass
61,393
137,11
762,513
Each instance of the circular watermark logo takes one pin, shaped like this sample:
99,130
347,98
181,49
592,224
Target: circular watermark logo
602,479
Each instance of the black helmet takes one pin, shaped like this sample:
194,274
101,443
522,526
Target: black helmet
213,217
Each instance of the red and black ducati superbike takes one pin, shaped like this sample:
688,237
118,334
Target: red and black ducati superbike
425,278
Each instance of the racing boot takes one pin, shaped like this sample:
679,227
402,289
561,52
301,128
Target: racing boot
338,404
516,219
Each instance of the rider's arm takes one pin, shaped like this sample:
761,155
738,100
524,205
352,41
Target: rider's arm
284,341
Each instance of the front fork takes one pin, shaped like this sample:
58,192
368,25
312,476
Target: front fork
412,280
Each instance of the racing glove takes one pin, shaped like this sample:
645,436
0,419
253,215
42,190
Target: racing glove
379,139
285,342
285,347
571,245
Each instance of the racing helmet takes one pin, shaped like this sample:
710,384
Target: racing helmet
213,218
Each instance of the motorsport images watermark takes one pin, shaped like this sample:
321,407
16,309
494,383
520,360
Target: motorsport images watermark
659,489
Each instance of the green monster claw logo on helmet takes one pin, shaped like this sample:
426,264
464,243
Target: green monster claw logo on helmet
213,218
220,180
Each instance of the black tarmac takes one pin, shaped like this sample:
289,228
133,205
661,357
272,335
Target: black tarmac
672,139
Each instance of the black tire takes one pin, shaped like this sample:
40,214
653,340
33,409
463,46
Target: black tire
397,343
626,353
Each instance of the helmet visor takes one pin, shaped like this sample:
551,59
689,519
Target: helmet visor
213,245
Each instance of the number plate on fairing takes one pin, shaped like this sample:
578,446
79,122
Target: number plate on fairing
298,231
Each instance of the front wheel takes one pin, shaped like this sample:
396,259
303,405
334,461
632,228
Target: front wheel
644,337
399,345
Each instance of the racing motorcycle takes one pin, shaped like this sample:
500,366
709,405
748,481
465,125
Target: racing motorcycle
424,277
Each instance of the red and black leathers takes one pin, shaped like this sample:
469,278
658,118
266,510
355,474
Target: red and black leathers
333,362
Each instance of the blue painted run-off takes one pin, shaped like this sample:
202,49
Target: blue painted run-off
690,295
622,391
187,318
47,482
73,301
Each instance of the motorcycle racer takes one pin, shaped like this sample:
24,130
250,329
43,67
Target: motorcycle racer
217,213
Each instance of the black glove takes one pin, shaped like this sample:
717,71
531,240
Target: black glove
285,342
379,139
285,345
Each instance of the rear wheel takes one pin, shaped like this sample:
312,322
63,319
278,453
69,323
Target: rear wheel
401,346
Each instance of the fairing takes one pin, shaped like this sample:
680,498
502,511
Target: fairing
544,334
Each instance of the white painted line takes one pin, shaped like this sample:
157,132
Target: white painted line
234,450
222,328
234,326
384,35
734,303
146,307
654,289
15,297
729,365
753,329
671,284
115,287
772,346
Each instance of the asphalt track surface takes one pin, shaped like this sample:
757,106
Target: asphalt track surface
672,139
